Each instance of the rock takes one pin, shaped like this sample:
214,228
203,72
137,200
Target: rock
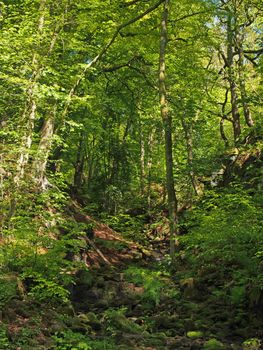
55,327
164,321
20,308
178,342
78,326
194,334
100,281
213,344
197,344
9,315
251,344
91,320
122,324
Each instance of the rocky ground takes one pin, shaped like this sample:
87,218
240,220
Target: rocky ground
126,298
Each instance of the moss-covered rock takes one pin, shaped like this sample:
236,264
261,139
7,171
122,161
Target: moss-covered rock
165,321
194,334
213,344
116,319
251,344
91,320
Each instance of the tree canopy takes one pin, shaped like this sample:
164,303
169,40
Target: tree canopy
146,116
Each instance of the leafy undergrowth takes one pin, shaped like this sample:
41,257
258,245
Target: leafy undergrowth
134,307
209,298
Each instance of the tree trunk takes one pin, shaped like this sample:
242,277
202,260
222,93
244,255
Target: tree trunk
149,169
44,147
91,160
79,165
29,113
232,78
188,131
142,161
242,82
167,124
222,132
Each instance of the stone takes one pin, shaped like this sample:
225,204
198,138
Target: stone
194,334
213,344
251,344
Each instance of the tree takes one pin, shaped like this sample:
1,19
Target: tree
167,122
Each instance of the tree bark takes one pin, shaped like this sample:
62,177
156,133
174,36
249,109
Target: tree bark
232,79
149,169
223,118
44,147
167,124
79,165
30,109
222,132
188,132
29,113
142,161
242,81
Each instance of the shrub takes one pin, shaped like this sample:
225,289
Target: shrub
225,241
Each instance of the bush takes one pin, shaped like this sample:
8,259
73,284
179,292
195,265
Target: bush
151,281
8,288
69,340
4,342
225,242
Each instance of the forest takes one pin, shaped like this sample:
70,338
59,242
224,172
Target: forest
131,175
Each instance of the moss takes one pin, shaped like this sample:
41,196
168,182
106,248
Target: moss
213,344
194,334
251,344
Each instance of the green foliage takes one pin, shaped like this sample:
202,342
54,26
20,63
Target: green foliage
76,341
77,64
69,340
213,344
35,249
116,245
4,342
130,227
225,240
251,344
26,337
47,291
8,288
151,281
194,334
106,344
117,322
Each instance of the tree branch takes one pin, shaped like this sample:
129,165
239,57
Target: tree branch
252,60
111,69
257,52
104,50
189,15
145,77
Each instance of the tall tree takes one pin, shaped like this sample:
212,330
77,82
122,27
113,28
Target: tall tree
167,123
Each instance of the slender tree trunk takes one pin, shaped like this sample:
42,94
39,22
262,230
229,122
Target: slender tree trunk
142,161
222,132
232,79
41,157
44,147
188,132
91,160
29,113
149,169
242,82
79,165
167,124
223,118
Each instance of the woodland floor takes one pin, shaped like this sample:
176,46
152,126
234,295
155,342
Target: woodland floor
126,299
